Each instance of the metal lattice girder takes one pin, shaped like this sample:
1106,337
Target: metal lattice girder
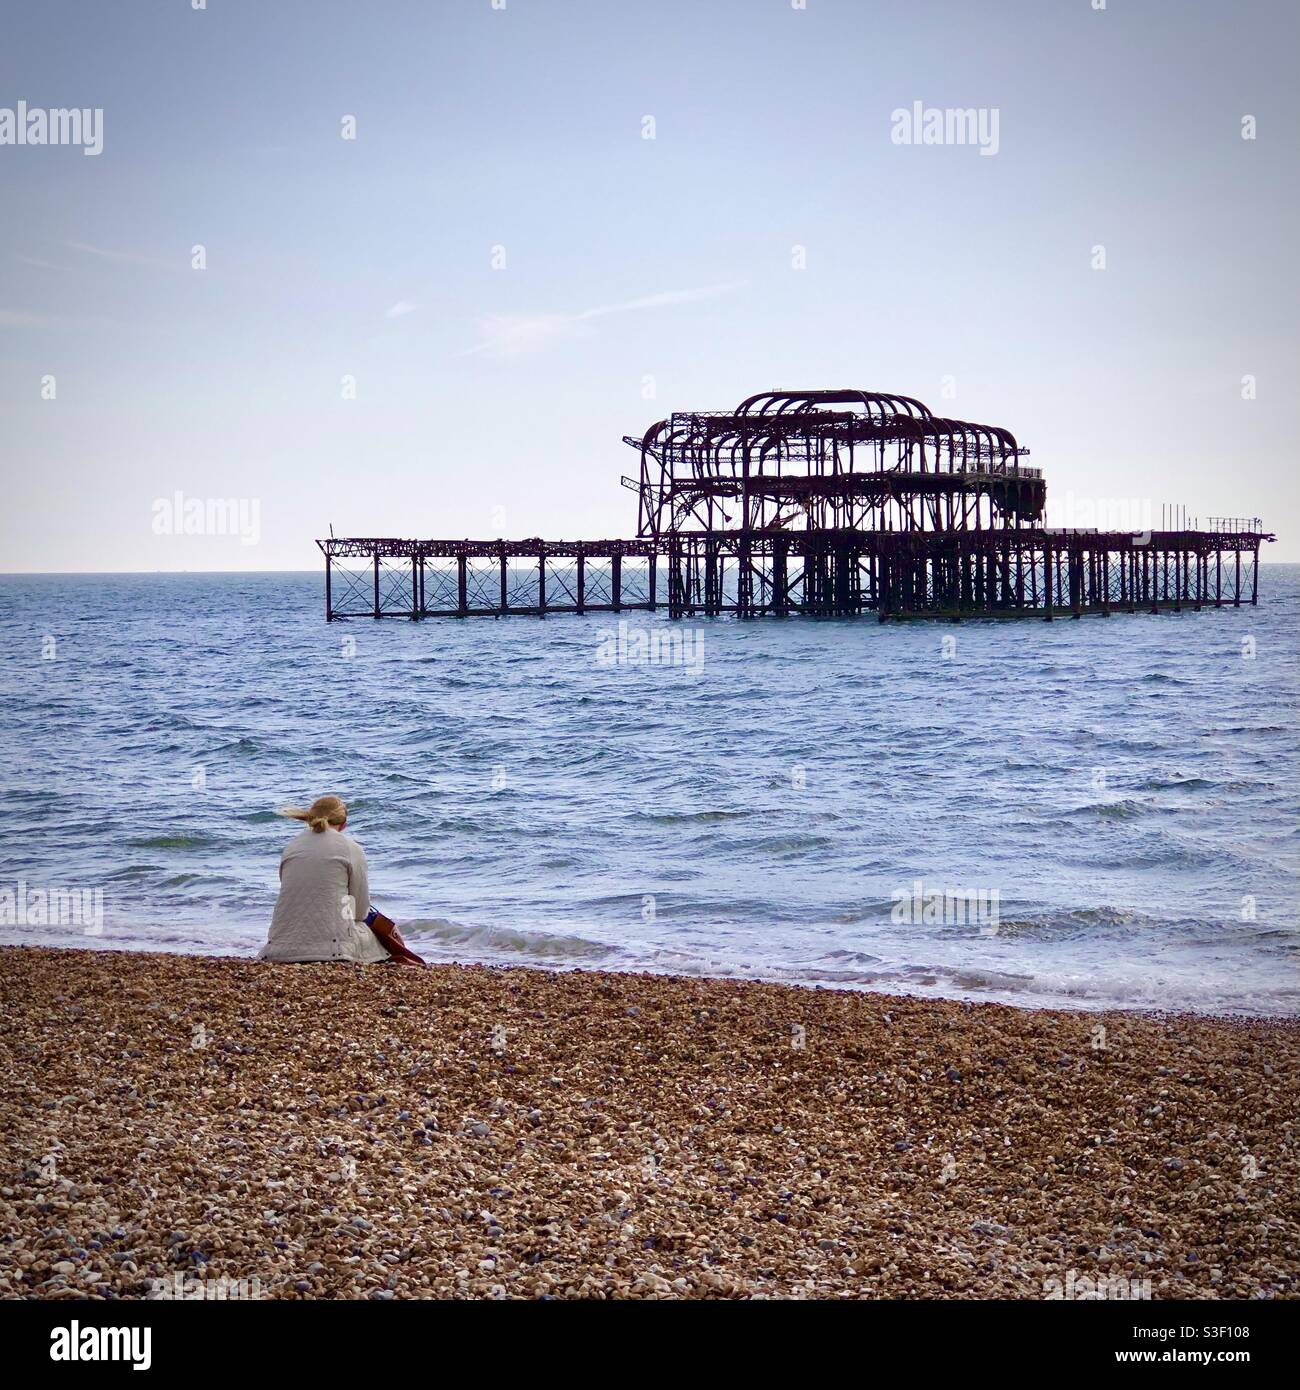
353,592
440,589
635,582
394,587
367,547
598,592
482,584
562,575
522,588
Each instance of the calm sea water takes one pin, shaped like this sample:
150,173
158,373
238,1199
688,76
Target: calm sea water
1128,788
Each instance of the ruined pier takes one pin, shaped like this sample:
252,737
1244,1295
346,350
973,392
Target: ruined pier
823,503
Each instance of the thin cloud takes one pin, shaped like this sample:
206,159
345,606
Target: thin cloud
124,257
510,335
399,309
658,301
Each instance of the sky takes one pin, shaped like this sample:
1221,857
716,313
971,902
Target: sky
444,325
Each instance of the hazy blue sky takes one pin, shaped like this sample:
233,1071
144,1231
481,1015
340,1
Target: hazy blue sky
492,401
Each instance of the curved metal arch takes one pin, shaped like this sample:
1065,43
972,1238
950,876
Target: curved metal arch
983,432
805,400
969,433
647,512
658,443
952,430
649,435
1000,442
997,440
1009,446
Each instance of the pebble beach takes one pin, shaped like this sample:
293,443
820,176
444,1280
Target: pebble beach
191,1126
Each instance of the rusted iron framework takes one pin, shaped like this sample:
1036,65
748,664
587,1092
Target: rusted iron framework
825,503
465,579
960,573
830,461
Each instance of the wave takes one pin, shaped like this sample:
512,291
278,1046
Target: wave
1086,989
1184,784
178,841
1122,808
852,957
873,911
238,745
785,845
508,941
1139,990
1108,916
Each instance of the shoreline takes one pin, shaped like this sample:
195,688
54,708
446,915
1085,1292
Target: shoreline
170,1121
1086,1007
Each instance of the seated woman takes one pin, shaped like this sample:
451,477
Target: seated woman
324,893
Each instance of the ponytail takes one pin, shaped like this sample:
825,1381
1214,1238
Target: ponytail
325,812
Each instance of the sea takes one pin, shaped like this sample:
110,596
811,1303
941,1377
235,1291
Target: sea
1094,813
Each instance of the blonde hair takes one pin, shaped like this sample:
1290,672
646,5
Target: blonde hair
324,811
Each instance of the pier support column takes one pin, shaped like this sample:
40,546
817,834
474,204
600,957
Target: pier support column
842,559
744,581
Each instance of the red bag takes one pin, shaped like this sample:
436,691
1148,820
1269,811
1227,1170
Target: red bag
391,939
